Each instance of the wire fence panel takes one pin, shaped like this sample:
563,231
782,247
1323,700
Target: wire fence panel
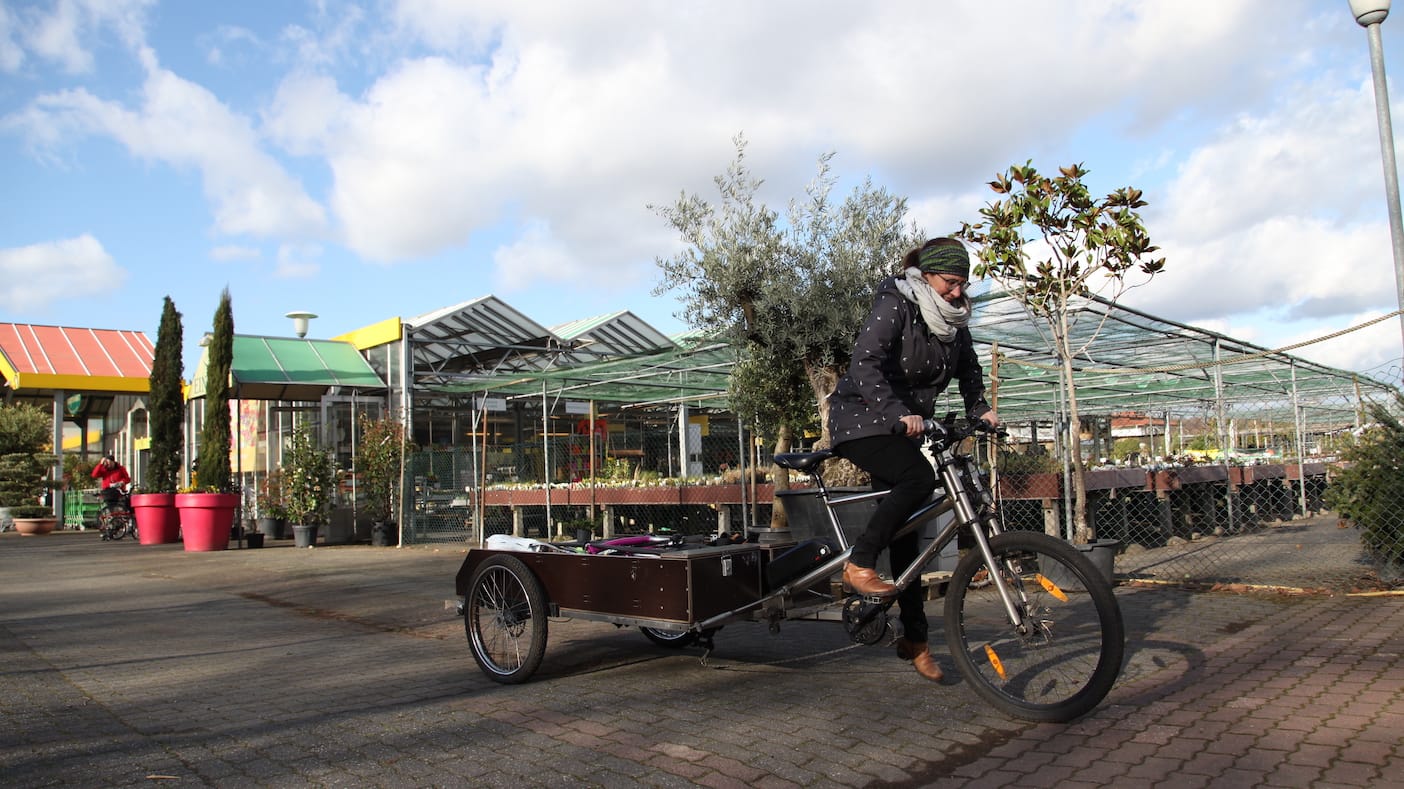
1232,493
1231,500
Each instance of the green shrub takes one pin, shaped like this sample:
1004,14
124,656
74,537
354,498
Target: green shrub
1021,463
1370,489
25,435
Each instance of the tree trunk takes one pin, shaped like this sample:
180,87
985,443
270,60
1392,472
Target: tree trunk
780,478
823,380
1082,532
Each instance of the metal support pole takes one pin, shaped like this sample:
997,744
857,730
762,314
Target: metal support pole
1391,170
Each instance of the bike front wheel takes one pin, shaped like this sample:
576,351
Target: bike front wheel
1064,653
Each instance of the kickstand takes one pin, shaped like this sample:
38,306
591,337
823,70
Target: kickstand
705,641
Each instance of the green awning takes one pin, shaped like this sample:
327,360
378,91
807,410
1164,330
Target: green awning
284,368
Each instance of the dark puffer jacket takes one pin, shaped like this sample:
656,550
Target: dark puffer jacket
899,368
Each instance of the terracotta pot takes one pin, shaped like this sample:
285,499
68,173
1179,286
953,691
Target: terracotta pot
30,527
157,519
206,519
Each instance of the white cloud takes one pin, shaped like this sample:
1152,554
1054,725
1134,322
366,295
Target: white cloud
11,54
298,261
36,276
67,32
231,252
183,125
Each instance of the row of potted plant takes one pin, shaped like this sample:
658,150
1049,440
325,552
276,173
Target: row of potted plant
300,492
202,513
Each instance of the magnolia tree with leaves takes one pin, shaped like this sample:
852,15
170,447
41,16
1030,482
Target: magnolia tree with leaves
167,406
1048,242
789,294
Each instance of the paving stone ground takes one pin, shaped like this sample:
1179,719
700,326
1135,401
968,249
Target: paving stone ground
129,665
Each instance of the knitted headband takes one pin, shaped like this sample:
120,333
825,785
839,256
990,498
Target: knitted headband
945,260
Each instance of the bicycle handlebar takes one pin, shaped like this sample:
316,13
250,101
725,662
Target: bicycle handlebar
949,432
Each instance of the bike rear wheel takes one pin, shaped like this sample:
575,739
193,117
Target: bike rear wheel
1067,654
505,615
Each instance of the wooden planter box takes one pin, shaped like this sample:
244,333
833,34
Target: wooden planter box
581,495
1045,485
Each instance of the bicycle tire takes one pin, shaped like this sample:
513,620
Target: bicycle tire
122,526
1066,662
505,619
675,639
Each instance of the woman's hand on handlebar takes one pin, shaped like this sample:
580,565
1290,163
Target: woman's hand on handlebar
914,425
990,418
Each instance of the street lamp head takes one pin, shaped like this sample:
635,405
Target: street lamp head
1369,12
300,319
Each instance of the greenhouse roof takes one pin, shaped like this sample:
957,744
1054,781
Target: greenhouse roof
1137,363
692,371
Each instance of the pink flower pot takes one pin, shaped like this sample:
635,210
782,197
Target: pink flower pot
158,520
206,519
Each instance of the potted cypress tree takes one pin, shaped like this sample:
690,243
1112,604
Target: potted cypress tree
207,513
158,520
25,433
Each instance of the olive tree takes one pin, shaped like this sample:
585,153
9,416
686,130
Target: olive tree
1048,242
789,293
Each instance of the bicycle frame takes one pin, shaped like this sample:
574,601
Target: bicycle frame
969,507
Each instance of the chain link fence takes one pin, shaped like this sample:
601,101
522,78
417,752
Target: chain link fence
1229,499
616,475
1232,494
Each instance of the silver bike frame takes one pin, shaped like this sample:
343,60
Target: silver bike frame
957,498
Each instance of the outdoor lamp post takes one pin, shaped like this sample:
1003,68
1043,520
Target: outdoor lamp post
1370,13
301,317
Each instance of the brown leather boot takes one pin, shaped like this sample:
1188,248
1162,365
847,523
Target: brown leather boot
920,655
865,580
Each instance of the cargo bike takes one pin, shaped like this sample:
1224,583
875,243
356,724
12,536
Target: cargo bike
1032,625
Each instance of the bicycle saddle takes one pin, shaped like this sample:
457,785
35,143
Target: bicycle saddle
802,461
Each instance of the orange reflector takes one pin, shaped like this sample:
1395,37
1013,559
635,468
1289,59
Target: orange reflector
1051,588
995,661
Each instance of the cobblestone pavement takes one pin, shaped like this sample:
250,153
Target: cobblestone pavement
124,665
1317,552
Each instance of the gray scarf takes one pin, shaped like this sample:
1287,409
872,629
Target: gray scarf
942,317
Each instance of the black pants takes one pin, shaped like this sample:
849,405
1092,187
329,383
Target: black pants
111,497
897,465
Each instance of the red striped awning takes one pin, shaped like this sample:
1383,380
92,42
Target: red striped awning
59,357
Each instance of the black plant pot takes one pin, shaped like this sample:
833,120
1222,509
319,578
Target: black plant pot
384,535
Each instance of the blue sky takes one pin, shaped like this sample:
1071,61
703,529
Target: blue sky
389,157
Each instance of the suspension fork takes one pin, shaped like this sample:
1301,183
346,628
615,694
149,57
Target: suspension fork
970,507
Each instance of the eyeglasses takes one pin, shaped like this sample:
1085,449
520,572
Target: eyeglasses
953,284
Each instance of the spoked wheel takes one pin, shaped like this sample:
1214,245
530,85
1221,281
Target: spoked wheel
505,615
121,525
1063,658
110,525
675,639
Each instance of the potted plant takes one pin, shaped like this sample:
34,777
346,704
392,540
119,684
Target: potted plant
25,433
379,464
158,520
271,505
207,511
309,477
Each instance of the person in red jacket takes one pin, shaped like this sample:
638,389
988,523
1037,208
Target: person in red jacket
112,475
